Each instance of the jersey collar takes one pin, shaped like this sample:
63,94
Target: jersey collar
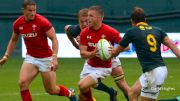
141,23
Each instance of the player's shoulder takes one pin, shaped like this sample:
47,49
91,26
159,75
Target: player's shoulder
156,28
109,28
132,30
19,20
85,31
41,18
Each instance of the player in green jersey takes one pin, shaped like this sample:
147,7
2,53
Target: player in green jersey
147,41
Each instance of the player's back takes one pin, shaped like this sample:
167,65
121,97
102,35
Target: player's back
147,42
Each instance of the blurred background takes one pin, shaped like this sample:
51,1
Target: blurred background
162,13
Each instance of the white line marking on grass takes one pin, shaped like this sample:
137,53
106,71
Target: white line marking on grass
15,94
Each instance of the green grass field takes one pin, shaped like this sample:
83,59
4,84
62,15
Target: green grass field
68,75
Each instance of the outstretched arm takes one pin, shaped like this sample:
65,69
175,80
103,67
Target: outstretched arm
118,49
10,47
73,41
168,42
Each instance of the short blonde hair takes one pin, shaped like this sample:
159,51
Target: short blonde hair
83,12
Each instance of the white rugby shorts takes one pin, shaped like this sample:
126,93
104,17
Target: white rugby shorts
116,62
95,73
152,81
43,64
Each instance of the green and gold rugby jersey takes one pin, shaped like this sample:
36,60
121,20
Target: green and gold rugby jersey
147,42
74,30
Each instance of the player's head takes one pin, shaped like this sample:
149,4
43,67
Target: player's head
95,16
138,15
82,18
29,9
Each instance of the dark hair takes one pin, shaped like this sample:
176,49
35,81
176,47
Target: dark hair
27,2
83,12
138,15
99,9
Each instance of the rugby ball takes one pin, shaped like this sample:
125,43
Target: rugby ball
103,49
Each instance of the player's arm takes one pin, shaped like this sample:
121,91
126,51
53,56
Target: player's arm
52,35
86,54
70,37
117,50
168,42
11,45
127,48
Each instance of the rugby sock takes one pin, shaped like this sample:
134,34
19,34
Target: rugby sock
88,95
104,88
25,95
64,91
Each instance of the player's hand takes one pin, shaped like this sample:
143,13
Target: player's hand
78,39
96,51
113,52
3,60
93,53
110,49
54,63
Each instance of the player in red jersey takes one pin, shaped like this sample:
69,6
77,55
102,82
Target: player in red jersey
73,32
35,29
94,68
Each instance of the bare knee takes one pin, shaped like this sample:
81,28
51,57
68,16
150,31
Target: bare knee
81,86
133,93
23,85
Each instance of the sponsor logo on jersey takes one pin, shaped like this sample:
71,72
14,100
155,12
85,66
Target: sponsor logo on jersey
29,35
90,44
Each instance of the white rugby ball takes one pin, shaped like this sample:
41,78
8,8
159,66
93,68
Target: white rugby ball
103,49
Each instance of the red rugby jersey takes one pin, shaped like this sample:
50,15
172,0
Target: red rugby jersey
34,35
90,38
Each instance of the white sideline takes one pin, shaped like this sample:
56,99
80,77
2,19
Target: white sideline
15,94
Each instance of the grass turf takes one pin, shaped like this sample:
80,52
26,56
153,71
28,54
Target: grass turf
68,75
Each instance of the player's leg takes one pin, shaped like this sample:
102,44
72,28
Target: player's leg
112,93
151,82
146,99
27,73
134,92
49,82
118,75
85,85
90,76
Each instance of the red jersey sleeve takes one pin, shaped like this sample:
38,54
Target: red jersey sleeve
116,36
83,37
46,24
15,28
